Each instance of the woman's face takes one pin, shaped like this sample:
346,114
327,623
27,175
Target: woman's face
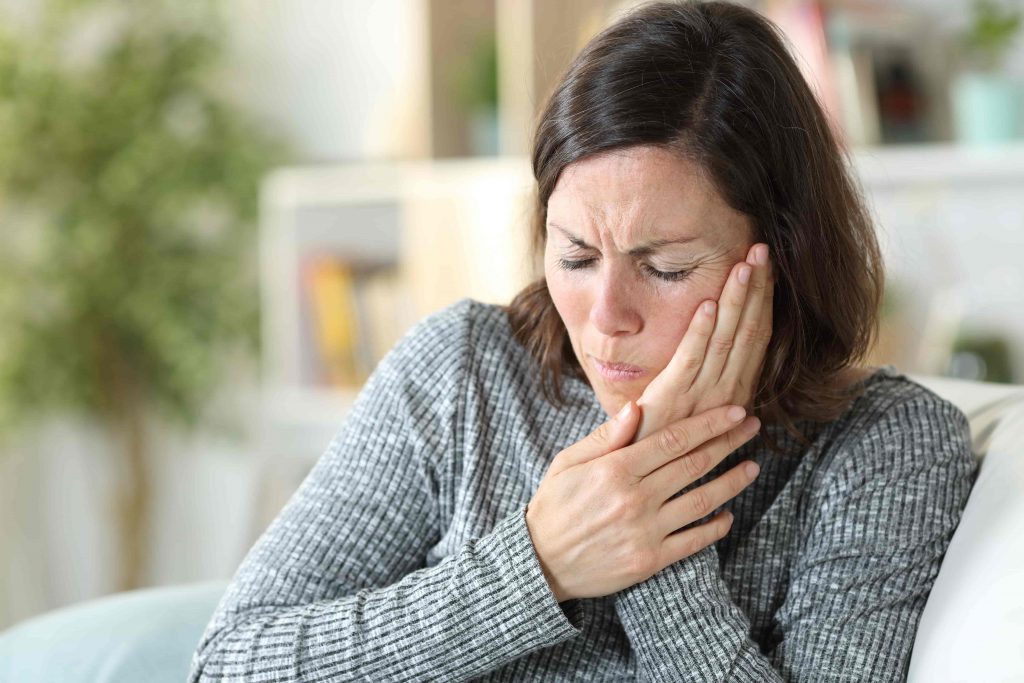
636,240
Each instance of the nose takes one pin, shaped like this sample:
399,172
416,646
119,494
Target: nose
614,310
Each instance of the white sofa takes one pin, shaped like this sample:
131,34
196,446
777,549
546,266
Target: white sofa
972,629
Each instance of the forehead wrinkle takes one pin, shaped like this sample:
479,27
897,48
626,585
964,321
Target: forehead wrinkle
643,249
628,213
612,213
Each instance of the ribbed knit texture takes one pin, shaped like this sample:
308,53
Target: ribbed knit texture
405,555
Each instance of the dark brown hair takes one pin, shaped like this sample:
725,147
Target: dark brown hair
714,83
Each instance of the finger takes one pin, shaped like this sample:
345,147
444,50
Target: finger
610,436
682,544
689,356
730,304
703,500
748,329
679,438
676,475
752,372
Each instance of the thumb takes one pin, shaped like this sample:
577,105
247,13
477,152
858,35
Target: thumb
610,436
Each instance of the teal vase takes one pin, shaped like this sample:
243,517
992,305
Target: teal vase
987,108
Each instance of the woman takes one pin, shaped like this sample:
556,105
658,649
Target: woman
705,255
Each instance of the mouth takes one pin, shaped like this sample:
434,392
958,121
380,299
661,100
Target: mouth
617,371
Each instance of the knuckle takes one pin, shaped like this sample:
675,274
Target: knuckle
730,386
642,562
721,345
691,363
674,439
709,426
700,502
695,465
608,476
749,336
626,506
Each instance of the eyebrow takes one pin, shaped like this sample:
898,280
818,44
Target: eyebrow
642,250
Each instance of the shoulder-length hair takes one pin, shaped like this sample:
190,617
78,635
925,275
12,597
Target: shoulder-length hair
714,83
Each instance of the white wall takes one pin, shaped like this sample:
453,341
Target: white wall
347,79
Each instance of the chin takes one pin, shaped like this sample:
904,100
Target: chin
612,401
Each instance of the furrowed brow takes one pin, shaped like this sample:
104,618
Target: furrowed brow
642,250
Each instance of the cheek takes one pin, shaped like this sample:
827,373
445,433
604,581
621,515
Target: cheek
668,320
667,323
570,299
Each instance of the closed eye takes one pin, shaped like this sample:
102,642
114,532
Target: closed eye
668,276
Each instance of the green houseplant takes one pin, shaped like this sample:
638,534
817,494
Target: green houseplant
991,33
474,83
988,104
128,197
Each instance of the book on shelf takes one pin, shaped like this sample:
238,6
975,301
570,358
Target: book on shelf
880,72
352,315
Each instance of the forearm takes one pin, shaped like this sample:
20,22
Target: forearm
472,613
683,625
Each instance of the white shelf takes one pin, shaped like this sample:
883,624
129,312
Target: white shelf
939,163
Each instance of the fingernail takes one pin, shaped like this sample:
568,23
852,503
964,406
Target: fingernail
744,274
752,469
709,307
624,412
736,413
761,255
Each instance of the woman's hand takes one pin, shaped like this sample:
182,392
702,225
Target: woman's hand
719,359
601,519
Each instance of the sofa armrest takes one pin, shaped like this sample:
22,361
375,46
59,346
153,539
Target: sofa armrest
146,635
972,628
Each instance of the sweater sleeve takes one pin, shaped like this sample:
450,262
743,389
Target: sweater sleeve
337,588
873,545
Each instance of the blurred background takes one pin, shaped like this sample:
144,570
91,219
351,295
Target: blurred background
217,217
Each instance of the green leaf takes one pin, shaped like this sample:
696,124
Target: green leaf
128,196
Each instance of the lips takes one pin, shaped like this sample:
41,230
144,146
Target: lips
618,372
619,367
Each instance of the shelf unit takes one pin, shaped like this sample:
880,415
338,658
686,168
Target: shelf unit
448,229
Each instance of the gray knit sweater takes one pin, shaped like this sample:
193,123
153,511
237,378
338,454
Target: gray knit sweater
405,554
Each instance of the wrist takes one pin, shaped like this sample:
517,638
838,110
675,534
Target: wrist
557,590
